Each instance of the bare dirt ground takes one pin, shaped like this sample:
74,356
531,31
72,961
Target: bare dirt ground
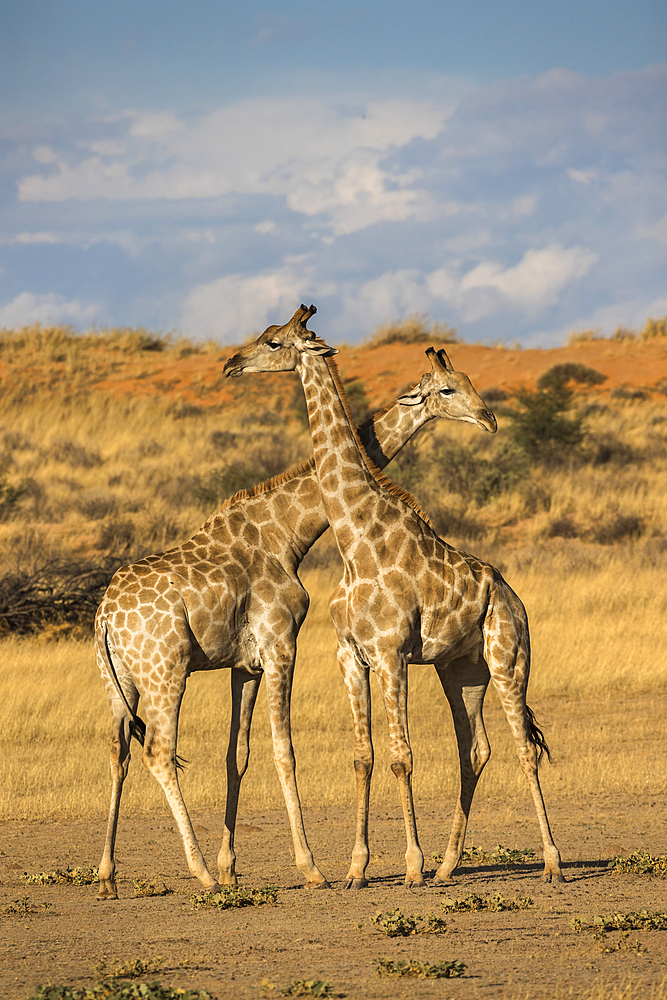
327,934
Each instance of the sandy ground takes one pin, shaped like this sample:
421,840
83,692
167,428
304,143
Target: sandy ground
327,934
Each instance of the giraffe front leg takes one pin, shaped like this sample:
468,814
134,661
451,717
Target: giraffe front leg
244,694
279,672
356,678
393,677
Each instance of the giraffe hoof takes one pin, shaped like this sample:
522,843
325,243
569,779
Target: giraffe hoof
554,877
210,890
317,885
443,880
355,883
107,890
413,883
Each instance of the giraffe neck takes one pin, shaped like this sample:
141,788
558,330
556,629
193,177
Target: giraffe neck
349,489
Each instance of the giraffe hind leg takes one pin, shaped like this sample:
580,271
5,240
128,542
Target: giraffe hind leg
508,657
120,763
464,684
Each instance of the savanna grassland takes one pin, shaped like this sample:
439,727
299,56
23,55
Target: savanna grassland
117,443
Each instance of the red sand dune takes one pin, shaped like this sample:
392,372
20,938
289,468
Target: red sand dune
385,371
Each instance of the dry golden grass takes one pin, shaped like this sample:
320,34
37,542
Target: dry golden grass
598,667
92,472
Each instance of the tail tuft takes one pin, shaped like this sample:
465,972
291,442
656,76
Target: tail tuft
138,729
537,736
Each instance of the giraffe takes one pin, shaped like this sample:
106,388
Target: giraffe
406,596
231,597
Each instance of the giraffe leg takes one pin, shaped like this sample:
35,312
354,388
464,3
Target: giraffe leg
507,652
244,694
393,677
120,763
464,684
160,759
357,684
279,671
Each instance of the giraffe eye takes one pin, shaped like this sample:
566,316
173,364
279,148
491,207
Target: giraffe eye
273,345
447,392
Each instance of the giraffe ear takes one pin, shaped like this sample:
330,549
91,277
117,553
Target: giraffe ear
319,348
411,399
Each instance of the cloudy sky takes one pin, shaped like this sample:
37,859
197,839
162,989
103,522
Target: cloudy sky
204,167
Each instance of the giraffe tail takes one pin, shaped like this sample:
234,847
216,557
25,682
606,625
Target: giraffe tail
537,737
137,724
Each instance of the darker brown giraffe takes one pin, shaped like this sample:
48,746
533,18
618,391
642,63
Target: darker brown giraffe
406,597
231,597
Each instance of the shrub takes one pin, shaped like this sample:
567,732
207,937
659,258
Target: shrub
541,426
654,328
59,593
558,376
414,329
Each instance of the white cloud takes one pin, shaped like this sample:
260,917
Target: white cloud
44,154
27,309
44,237
534,283
317,159
232,308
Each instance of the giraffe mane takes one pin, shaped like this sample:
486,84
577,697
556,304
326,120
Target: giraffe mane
269,484
377,474
295,471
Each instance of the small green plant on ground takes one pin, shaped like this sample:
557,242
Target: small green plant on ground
418,970
231,896
500,855
394,923
22,908
142,887
69,876
133,968
494,904
119,991
643,920
300,988
640,863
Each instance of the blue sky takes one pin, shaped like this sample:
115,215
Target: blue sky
205,167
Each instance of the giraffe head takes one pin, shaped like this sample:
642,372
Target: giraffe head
448,393
279,348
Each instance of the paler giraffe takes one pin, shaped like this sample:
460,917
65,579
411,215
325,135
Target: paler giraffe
406,596
231,597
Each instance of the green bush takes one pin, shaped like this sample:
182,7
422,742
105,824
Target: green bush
542,426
